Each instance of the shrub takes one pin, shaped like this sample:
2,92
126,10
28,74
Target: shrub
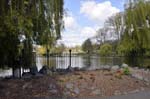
126,71
121,50
105,50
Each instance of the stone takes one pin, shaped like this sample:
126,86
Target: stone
125,93
83,69
34,70
137,76
147,84
53,69
39,75
124,65
67,93
136,68
96,92
52,86
70,69
117,92
135,91
53,89
115,68
69,85
27,75
91,88
27,85
146,79
76,90
142,89
59,70
147,70
76,68
84,86
106,67
44,70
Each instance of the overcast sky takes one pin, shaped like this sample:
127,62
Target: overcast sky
84,17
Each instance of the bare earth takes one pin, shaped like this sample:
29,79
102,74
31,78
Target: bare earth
96,83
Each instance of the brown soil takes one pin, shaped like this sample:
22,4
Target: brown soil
105,81
28,88
76,84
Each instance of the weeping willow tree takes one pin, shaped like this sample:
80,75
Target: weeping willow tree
9,31
40,21
136,38
49,23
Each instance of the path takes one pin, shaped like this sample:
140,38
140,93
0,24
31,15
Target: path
140,95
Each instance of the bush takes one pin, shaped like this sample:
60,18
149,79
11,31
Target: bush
105,50
126,71
121,50
147,53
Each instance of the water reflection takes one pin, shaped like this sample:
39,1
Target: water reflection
85,61
94,61
137,61
4,73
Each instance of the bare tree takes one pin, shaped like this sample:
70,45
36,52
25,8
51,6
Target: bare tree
117,23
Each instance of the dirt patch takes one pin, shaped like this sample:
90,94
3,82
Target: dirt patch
100,83
77,84
29,88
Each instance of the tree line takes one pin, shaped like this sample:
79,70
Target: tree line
131,30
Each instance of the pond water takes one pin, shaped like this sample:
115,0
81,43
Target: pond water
93,61
89,62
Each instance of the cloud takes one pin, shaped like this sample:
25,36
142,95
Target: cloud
70,22
98,12
72,38
88,32
78,36
76,31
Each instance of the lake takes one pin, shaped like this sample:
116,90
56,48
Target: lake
90,62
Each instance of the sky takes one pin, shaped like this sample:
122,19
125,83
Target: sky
84,17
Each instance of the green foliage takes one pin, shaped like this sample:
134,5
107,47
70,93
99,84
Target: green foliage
121,50
40,21
87,46
147,53
105,50
126,71
133,29
136,38
27,57
59,49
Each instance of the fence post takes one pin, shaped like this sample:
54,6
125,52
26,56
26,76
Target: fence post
47,57
70,58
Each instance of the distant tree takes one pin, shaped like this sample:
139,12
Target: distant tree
105,50
121,50
117,23
87,46
102,34
59,49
